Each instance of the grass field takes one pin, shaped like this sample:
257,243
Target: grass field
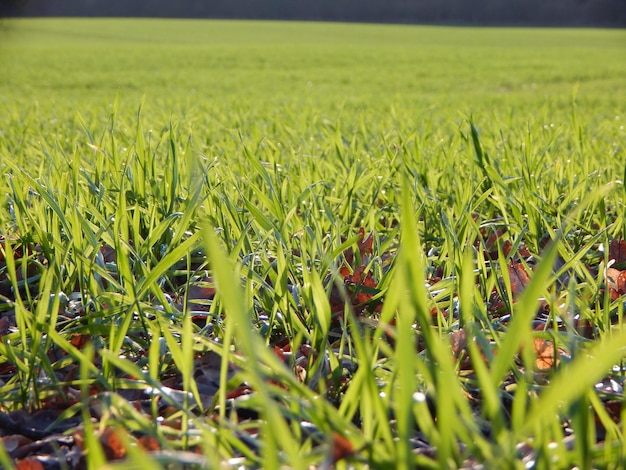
311,245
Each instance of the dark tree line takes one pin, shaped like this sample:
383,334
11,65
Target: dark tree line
610,13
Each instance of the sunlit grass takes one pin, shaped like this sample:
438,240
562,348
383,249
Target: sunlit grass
257,185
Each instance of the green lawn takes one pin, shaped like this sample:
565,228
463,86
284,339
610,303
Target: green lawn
207,67
307,244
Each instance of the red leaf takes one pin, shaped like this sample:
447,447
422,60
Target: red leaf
238,392
365,244
149,443
112,445
359,279
359,286
29,463
79,340
342,447
280,353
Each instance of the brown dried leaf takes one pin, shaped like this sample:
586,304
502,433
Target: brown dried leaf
545,354
365,244
616,282
300,373
342,447
5,325
112,445
239,391
108,254
149,443
79,438
492,238
79,340
617,252
29,463
518,277
458,341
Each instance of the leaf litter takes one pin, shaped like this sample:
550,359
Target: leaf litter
50,434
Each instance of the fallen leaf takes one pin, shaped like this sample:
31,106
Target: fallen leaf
108,254
360,286
149,443
279,353
300,373
79,340
617,252
5,325
207,369
112,444
201,293
365,244
458,341
489,240
459,344
79,438
29,463
15,441
238,392
518,277
341,447
546,357
616,282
